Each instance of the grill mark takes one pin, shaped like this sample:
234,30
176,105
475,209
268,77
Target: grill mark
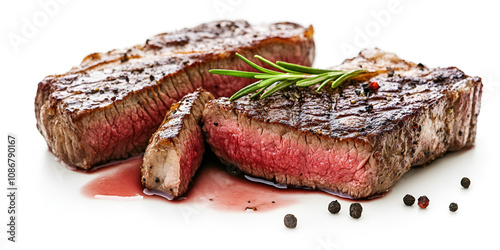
142,62
387,119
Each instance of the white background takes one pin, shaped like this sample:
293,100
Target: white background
52,212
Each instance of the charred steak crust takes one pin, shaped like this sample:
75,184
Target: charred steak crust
107,107
175,150
351,140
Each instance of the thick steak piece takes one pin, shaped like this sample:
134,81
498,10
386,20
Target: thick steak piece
108,107
175,150
351,140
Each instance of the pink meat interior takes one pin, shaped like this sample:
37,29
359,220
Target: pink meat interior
192,149
262,152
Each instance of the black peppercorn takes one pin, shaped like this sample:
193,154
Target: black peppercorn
151,77
366,88
453,207
465,182
334,207
355,210
290,221
369,108
409,200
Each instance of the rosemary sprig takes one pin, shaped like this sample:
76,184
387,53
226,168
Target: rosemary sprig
288,75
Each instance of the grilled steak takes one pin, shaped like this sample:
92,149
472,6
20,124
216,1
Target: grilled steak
353,140
108,107
175,150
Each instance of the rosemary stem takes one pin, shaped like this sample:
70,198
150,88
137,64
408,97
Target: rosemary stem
288,74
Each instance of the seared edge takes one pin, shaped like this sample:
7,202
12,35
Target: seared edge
175,150
219,114
107,108
418,114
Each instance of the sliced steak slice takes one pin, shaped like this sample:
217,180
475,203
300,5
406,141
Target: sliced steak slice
108,107
351,140
175,150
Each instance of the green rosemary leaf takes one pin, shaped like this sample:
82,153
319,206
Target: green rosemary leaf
325,82
279,86
275,65
257,67
347,76
266,83
283,76
253,87
237,73
245,91
302,69
314,80
301,76
261,90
